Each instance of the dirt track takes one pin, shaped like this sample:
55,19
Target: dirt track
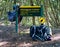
7,38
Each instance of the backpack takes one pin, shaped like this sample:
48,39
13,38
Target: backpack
11,16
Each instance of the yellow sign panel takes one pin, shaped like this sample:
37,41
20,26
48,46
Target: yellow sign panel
29,6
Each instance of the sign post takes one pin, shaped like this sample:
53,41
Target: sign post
17,19
16,22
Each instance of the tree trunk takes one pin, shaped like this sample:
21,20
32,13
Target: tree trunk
46,12
31,3
14,1
55,13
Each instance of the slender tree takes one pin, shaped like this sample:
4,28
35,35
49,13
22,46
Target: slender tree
31,2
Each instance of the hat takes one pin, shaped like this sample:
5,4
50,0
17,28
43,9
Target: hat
42,20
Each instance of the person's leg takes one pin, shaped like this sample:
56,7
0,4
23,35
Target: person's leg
19,19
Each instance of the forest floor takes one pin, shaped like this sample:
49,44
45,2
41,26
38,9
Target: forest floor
8,38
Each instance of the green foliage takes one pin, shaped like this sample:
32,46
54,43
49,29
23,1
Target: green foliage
51,9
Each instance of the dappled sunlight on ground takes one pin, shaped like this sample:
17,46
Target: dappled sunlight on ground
24,40
56,37
3,43
25,45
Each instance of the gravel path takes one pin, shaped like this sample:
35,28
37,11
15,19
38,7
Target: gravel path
8,38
